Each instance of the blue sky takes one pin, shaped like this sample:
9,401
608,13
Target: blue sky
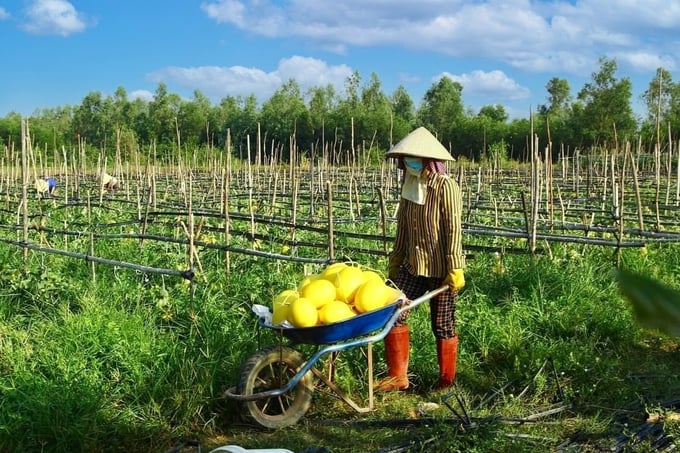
55,52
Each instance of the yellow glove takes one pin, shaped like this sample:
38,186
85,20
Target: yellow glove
455,280
393,268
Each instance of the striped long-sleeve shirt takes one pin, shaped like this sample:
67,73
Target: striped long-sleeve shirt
429,236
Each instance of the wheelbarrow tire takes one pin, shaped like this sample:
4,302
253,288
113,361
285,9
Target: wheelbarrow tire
272,368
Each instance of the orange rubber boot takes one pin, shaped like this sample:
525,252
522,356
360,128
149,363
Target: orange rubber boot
447,355
396,354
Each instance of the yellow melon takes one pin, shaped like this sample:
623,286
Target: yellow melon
306,281
346,283
371,295
335,311
331,270
319,291
303,313
391,294
369,274
281,304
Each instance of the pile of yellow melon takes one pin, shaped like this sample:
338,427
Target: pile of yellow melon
339,292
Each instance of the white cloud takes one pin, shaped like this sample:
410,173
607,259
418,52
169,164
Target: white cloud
226,11
3,13
556,36
646,61
495,86
217,82
144,95
53,17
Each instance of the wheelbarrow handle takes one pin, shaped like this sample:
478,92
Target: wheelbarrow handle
415,302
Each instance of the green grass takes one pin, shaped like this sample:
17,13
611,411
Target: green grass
126,361
132,362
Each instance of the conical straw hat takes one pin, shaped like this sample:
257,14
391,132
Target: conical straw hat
420,143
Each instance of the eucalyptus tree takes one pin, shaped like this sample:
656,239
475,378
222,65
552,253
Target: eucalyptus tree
10,130
559,98
554,122
285,118
241,119
476,134
53,130
163,117
222,119
606,106
403,114
662,99
193,120
124,114
375,122
322,102
442,110
93,121
349,111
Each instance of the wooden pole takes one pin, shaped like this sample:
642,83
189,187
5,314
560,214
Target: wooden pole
331,239
25,144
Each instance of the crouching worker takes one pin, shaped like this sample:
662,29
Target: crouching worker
51,185
109,182
427,254
45,187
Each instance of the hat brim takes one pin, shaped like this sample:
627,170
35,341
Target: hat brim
420,143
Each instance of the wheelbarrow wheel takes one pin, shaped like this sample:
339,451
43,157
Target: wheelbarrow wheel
269,369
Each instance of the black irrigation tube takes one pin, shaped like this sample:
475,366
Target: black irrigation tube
186,274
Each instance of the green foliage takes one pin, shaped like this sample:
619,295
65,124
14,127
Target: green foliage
362,117
442,110
656,305
607,113
129,357
497,154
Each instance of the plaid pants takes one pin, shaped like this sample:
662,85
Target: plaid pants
442,306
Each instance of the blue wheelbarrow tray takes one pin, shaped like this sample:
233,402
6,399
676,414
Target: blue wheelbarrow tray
353,327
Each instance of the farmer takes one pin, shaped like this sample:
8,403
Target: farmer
45,186
427,253
51,185
109,182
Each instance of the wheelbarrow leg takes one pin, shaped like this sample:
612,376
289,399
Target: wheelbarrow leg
342,395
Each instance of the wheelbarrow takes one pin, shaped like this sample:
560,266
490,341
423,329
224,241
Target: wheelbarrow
276,384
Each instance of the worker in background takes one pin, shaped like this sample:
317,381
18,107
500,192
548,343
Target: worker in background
109,182
45,187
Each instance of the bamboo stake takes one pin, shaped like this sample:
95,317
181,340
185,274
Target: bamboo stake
669,166
250,196
227,185
331,239
677,176
25,144
293,232
65,173
89,255
383,219
657,183
636,186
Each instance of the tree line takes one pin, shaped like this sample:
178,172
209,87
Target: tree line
364,117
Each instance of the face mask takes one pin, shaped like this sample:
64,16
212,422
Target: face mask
413,163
